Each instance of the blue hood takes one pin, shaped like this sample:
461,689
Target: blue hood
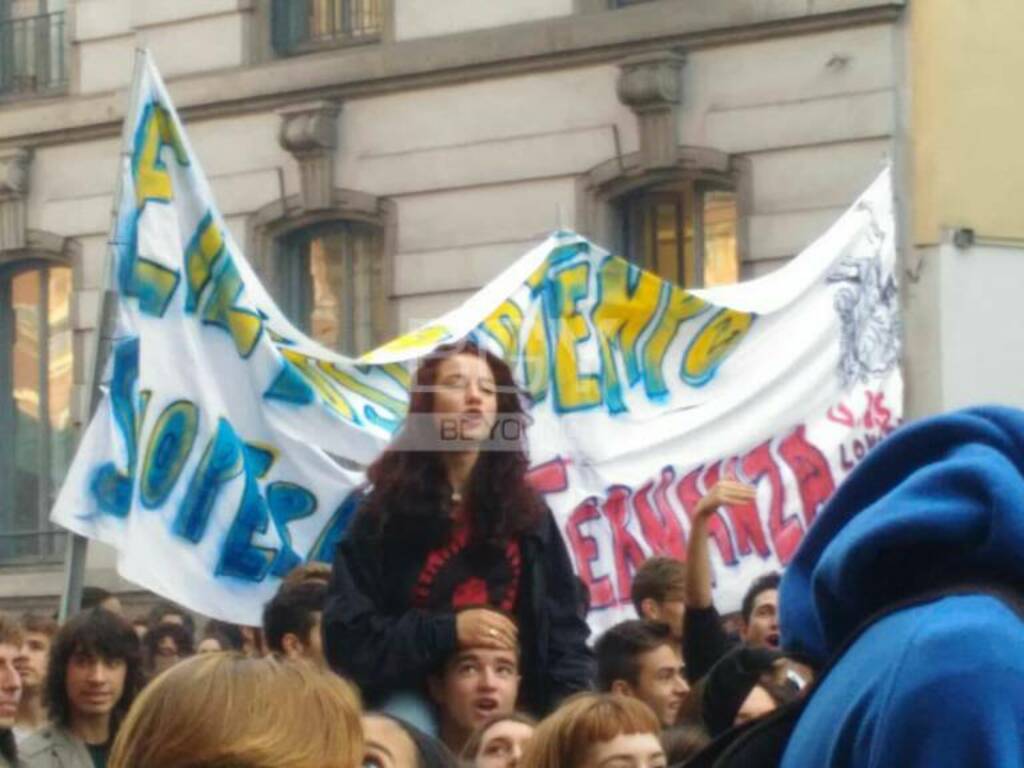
939,501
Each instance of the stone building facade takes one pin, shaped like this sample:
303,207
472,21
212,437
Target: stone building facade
382,159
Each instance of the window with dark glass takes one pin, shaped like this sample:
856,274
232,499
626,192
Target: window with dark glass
303,25
33,47
328,279
685,233
35,405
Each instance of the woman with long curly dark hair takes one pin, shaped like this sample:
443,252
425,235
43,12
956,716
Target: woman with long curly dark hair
451,548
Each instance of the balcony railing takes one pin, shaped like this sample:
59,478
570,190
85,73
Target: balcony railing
300,26
33,55
27,547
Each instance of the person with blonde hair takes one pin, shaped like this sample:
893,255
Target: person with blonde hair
591,730
224,709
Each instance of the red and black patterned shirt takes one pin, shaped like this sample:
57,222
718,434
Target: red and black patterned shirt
455,576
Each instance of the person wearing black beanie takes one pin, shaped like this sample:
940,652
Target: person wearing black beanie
739,688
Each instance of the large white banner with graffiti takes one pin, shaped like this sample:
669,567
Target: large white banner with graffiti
227,445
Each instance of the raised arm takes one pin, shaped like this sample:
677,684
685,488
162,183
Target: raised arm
697,593
704,640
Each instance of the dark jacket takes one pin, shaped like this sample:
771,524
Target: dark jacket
374,637
705,641
9,757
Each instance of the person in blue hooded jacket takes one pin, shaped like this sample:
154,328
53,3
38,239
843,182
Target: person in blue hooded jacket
910,578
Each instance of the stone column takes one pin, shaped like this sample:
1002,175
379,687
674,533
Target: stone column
651,85
309,132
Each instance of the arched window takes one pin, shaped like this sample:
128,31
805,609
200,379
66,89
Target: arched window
685,232
35,404
329,270
686,223
328,282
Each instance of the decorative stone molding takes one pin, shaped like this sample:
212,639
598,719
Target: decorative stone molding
14,167
310,132
651,85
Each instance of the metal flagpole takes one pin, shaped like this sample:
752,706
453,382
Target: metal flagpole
77,549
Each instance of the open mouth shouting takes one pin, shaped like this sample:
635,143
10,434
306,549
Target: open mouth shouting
485,707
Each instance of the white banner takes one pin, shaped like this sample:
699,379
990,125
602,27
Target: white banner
212,464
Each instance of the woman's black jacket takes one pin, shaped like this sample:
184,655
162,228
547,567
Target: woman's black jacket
373,636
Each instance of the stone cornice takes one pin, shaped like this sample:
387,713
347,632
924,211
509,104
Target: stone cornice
570,41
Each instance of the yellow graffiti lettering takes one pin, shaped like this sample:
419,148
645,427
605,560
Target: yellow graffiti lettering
398,373
421,340
244,326
154,285
396,407
201,256
307,366
620,316
503,326
709,348
535,360
152,182
573,390
681,306
539,275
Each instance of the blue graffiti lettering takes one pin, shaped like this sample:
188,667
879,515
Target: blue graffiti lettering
169,446
327,542
288,502
239,557
111,487
221,462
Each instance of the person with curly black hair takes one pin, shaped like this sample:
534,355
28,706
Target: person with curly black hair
95,671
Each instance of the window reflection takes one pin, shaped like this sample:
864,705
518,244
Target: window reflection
27,396
721,265
668,225
60,373
684,233
35,412
328,279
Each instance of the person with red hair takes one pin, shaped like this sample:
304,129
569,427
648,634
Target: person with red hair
451,548
597,730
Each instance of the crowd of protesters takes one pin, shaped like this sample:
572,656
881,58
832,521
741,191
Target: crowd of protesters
101,690
451,631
